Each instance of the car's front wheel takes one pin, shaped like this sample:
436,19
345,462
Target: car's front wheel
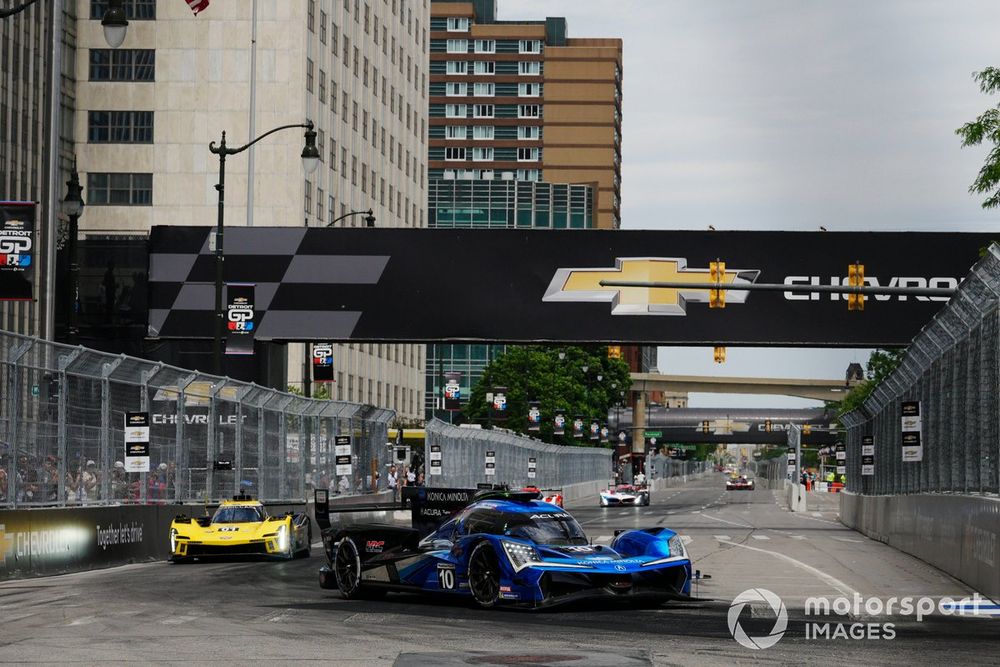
484,575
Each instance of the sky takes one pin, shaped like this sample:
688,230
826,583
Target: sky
791,115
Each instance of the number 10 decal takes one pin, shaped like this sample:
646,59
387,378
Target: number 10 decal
446,577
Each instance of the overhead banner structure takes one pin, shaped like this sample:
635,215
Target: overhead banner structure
322,362
17,250
240,316
522,286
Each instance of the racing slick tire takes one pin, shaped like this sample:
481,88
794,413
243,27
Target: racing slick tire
347,572
484,575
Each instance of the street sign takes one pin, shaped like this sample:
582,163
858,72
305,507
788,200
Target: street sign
652,434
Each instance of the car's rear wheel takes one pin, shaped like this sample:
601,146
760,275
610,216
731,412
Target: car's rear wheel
484,575
347,569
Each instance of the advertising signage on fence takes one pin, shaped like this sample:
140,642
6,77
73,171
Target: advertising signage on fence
491,463
239,318
137,441
322,361
435,459
867,455
332,284
17,250
453,391
841,458
342,452
911,427
531,467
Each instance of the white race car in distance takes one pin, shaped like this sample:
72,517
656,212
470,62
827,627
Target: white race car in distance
625,494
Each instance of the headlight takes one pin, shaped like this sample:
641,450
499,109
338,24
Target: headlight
676,545
173,540
283,538
520,555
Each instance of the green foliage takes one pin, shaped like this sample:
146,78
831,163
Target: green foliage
880,365
533,373
986,129
319,390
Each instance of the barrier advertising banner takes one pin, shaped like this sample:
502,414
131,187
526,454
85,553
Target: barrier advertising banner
434,458
137,441
323,284
342,450
911,427
867,455
17,250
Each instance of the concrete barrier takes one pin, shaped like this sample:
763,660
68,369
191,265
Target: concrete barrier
795,494
956,534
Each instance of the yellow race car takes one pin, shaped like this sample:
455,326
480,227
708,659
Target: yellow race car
240,527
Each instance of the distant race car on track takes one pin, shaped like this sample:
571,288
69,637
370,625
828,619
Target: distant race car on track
740,483
553,496
240,527
625,494
500,548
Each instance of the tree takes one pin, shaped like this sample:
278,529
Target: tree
880,365
533,373
986,128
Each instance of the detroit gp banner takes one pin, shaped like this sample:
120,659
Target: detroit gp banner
17,250
534,417
559,423
322,362
453,391
239,318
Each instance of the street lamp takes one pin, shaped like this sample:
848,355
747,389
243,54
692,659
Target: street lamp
369,218
115,24
4,13
310,160
73,207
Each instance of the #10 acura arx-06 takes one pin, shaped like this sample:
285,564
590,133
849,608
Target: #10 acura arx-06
498,547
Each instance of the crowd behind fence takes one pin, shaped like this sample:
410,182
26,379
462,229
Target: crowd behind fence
463,458
62,413
951,369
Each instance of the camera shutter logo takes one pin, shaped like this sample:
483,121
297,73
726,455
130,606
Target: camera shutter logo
758,596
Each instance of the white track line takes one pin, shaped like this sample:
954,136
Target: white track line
832,581
738,525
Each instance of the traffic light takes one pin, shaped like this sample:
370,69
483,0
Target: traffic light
720,355
767,425
807,429
717,297
706,427
856,278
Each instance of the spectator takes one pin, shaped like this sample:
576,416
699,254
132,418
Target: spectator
411,476
420,479
3,481
392,480
344,486
72,487
88,483
119,481
640,479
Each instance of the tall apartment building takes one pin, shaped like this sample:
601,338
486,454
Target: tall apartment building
525,131
147,111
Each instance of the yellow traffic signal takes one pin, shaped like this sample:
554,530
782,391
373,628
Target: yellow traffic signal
720,355
717,297
856,278
807,429
706,426
614,351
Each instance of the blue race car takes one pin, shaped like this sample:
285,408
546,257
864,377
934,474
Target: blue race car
502,547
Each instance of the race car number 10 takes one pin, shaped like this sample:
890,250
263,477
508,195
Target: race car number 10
446,577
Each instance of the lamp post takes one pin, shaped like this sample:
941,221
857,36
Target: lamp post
4,13
73,207
310,160
369,218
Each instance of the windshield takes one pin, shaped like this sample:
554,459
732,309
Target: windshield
238,515
552,528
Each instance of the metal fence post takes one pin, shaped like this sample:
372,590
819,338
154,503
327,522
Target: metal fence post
15,412
238,458
181,455
106,370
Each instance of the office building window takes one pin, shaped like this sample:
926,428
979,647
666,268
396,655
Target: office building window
458,24
529,175
453,46
482,132
454,153
309,75
135,10
117,189
486,46
529,111
456,89
122,65
309,197
482,111
455,132
484,89
120,127
454,111
484,67
484,154
529,89
527,155
529,68
457,67
529,46
530,132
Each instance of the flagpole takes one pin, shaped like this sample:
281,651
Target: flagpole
253,113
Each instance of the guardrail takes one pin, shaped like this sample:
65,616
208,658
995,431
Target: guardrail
62,412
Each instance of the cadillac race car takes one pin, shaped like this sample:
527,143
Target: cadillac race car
553,496
739,483
240,527
625,494
501,548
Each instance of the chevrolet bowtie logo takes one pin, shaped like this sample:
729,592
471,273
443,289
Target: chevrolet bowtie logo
584,285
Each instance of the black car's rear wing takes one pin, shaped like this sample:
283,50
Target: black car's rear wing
429,507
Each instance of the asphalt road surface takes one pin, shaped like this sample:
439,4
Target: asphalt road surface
247,612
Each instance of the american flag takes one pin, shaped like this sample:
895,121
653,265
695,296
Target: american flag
197,5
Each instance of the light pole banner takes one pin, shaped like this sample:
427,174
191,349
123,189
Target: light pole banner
239,318
322,362
137,441
559,423
604,434
17,250
911,427
453,391
499,405
595,429
534,417
578,427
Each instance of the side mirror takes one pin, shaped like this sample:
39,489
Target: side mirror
441,545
